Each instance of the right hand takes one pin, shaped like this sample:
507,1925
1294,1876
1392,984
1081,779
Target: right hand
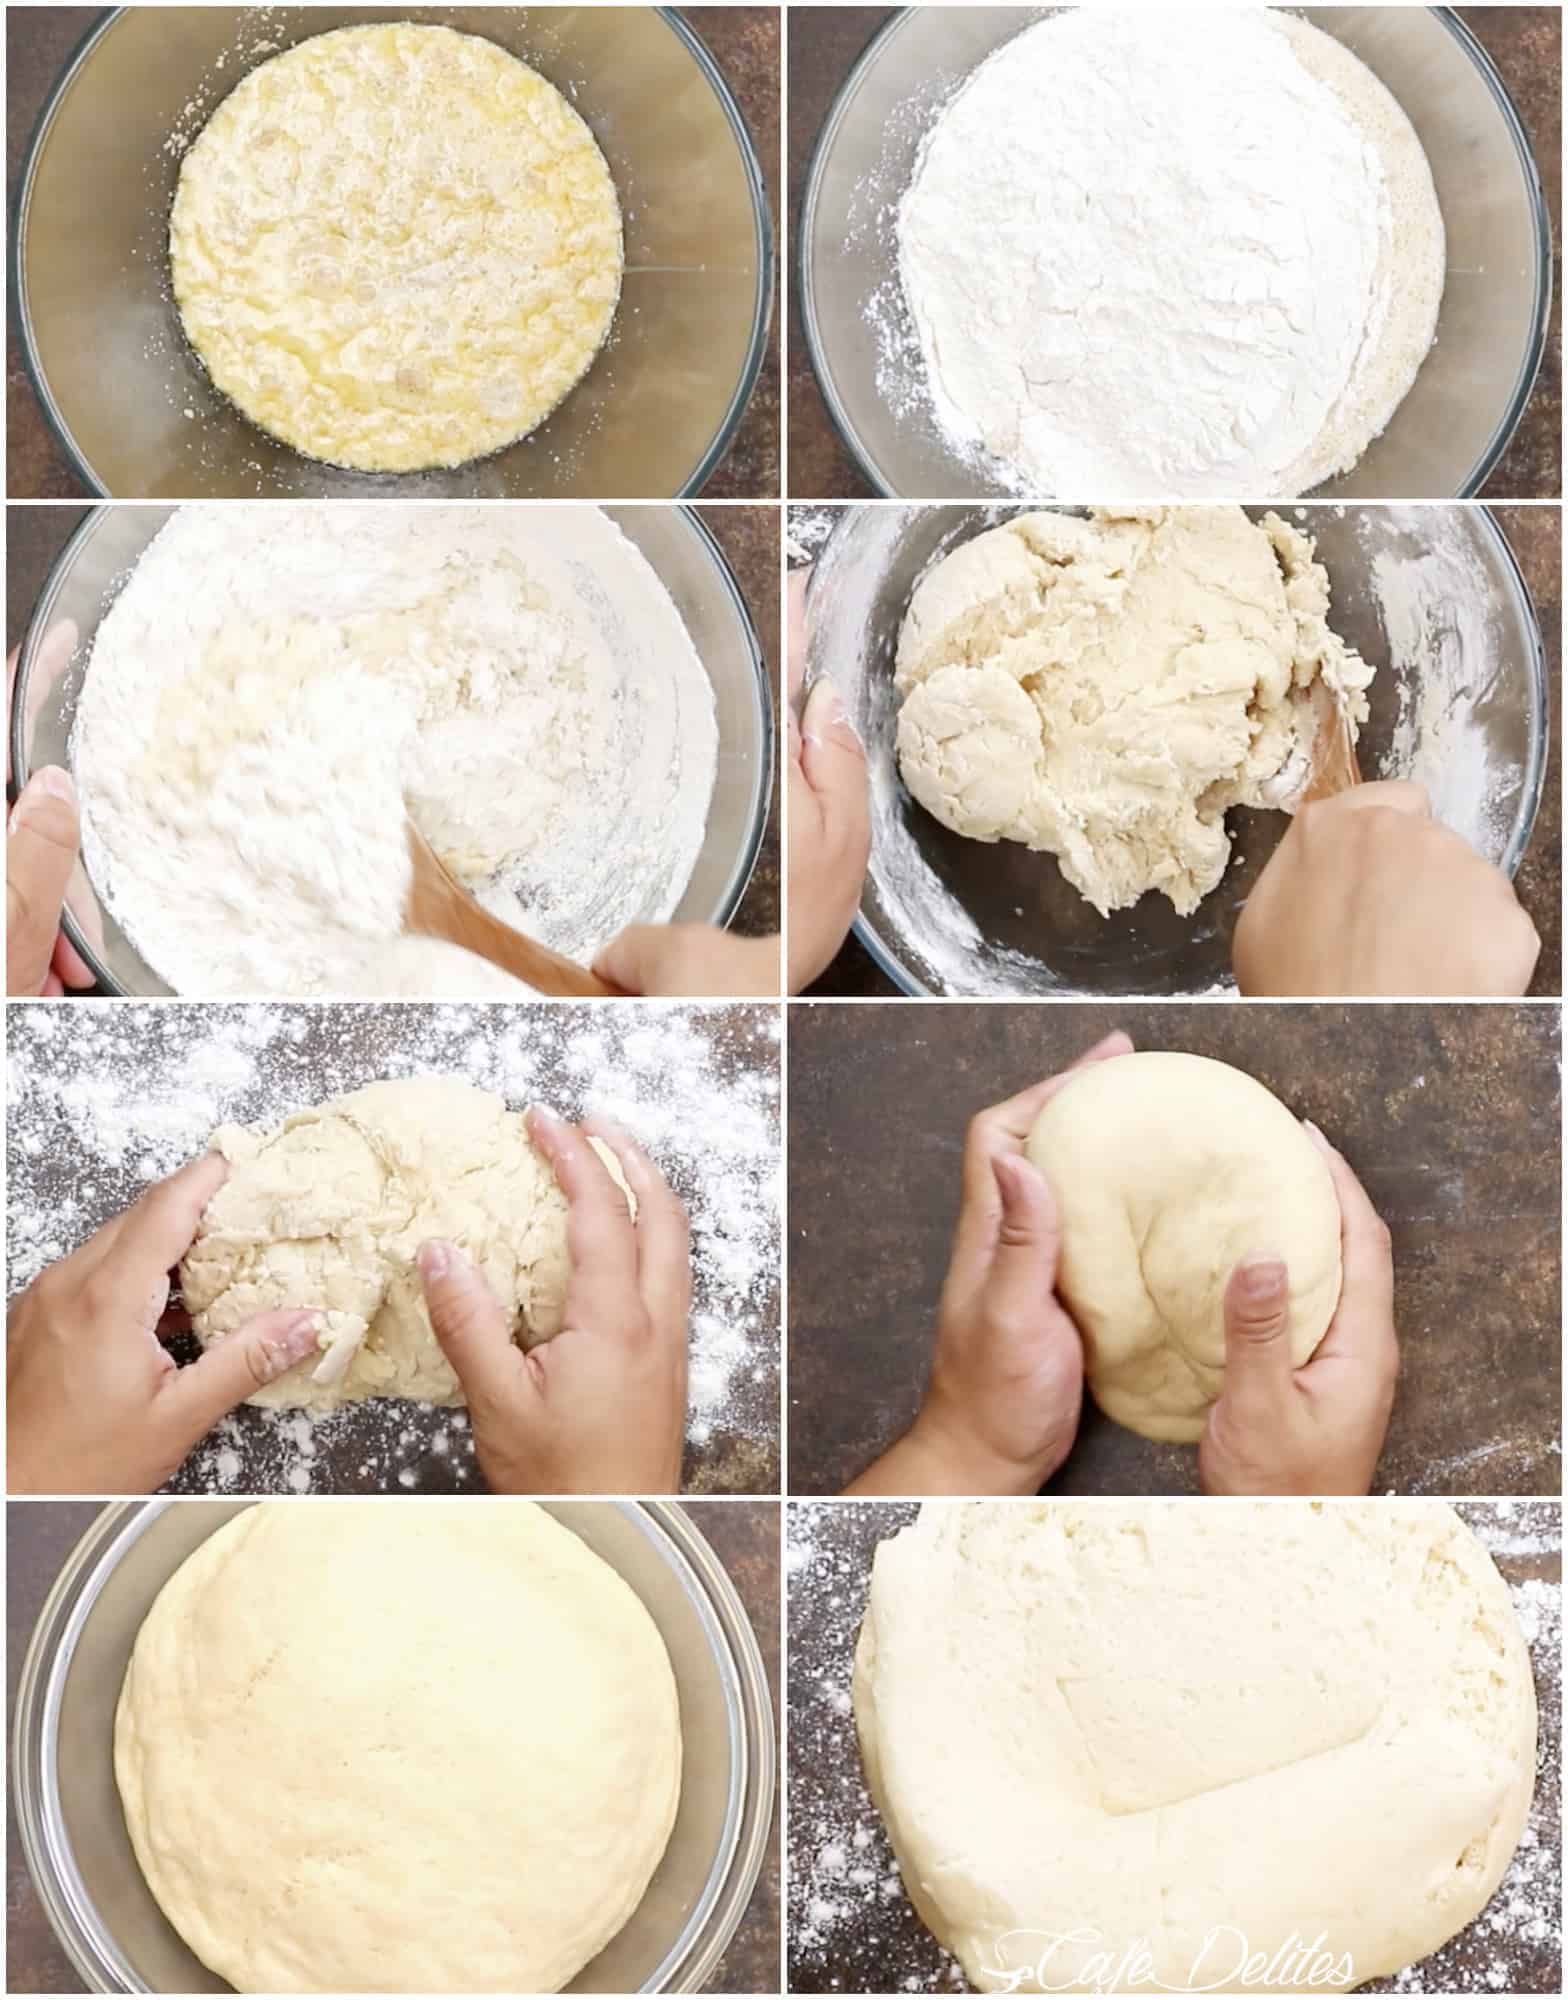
601,1408
1367,894
1319,1428
43,840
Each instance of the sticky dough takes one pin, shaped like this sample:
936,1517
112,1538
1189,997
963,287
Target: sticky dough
329,1210
1105,690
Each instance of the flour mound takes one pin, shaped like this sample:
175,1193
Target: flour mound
1105,690
329,1211
1161,254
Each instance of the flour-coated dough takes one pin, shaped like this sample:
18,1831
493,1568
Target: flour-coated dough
329,1210
371,1748
1141,1719
1105,690
1168,1169
395,246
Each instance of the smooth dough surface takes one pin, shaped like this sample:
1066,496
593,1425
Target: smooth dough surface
329,1211
369,1748
1143,1721
395,246
1168,1169
1105,690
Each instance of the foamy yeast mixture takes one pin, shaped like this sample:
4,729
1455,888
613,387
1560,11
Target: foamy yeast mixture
395,247
277,683
1170,254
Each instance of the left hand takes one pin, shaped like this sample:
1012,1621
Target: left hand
94,1402
43,841
690,962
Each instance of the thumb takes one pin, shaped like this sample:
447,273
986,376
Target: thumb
40,852
832,758
469,1325
633,960
238,1365
1023,1264
1257,1326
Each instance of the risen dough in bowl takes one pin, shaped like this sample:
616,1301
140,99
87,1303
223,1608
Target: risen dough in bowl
371,1748
330,1209
1168,1169
1133,1726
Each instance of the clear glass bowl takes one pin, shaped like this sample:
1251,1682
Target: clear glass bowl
94,564
68,1807
1430,595
116,377
1446,435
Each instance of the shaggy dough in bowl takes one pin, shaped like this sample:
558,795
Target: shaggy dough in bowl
371,1748
395,246
330,1209
1140,1746
1105,690
1168,1169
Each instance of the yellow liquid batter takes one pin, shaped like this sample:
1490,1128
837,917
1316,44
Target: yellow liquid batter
396,247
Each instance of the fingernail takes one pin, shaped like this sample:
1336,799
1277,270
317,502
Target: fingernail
49,783
544,1115
825,702
435,1259
1262,1273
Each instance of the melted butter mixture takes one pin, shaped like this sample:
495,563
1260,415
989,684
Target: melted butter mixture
396,247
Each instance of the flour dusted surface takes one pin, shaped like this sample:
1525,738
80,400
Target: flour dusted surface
274,680
1170,253
395,246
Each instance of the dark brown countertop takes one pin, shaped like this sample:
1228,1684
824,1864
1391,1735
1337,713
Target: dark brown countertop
1524,42
749,537
1535,534
851,1928
1450,1115
744,43
39,1536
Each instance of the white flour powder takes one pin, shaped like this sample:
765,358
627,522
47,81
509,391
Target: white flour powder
1164,253
273,682
103,1100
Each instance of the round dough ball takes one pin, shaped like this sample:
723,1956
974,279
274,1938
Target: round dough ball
329,1211
1129,1725
367,1748
1168,1169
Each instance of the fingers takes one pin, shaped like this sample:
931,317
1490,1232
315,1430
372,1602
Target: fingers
40,852
638,961
68,966
1366,1252
1391,794
663,1234
237,1366
1258,1368
795,602
470,1327
155,1232
1023,1268
599,1233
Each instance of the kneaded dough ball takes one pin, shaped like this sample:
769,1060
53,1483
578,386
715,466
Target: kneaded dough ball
1168,1169
329,1211
375,1749
1105,1727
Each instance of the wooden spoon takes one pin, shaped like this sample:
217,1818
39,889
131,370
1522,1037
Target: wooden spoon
1334,766
438,907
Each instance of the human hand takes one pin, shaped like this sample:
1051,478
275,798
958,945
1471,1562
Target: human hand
43,837
1368,894
1318,1428
94,1404
1006,1388
829,813
690,961
601,1408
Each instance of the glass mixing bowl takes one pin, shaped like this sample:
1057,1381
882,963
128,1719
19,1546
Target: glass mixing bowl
119,382
94,564
1446,435
1431,596
68,1807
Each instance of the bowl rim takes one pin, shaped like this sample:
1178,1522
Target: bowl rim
763,229
758,805
1538,754
46,1847
1515,403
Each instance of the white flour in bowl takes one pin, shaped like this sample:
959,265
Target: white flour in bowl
1170,253
274,681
